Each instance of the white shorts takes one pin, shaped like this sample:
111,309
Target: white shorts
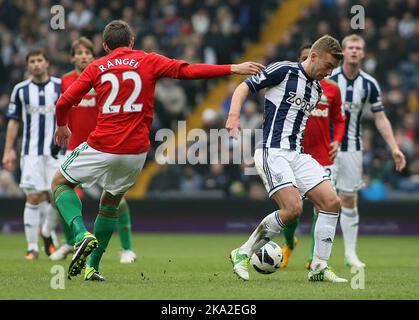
348,171
37,172
115,173
281,168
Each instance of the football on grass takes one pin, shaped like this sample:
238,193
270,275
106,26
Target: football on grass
267,259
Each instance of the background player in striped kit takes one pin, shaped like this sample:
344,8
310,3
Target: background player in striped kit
320,143
82,121
359,90
33,103
293,90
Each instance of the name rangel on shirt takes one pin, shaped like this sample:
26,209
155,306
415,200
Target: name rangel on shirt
118,62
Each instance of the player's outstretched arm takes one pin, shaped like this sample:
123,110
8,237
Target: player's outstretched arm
247,68
233,120
179,69
384,127
206,71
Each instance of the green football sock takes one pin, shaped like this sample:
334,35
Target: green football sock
313,226
68,234
105,225
69,207
124,225
289,233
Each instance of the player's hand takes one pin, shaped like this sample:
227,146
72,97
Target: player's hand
247,68
9,159
62,136
399,159
333,151
233,125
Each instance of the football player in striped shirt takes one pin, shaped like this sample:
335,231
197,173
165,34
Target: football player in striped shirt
82,120
320,143
359,91
293,91
32,103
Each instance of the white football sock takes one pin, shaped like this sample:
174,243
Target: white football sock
270,227
349,221
31,220
43,208
324,234
50,222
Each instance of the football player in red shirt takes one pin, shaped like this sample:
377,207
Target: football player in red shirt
318,143
82,120
114,154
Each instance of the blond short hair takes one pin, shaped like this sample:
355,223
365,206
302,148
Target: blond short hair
352,37
328,44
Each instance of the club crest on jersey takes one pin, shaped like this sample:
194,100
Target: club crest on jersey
300,102
279,177
323,99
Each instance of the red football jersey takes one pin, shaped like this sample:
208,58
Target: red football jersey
82,118
317,132
124,82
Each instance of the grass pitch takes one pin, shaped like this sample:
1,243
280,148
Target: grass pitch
196,266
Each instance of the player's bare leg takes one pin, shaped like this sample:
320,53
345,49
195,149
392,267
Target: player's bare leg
288,199
349,221
70,209
105,225
327,203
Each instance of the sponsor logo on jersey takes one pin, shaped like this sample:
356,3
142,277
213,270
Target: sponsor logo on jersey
40,109
88,102
320,113
300,102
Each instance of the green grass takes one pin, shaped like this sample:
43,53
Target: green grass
190,266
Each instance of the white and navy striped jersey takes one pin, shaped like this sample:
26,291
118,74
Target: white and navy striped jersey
290,97
356,94
34,105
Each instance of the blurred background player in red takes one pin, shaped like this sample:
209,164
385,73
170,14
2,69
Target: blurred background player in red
82,121
322,138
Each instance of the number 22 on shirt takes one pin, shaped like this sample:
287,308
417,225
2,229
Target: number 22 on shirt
129,105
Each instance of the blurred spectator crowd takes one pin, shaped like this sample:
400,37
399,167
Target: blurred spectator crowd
392,56
217,31
208,31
